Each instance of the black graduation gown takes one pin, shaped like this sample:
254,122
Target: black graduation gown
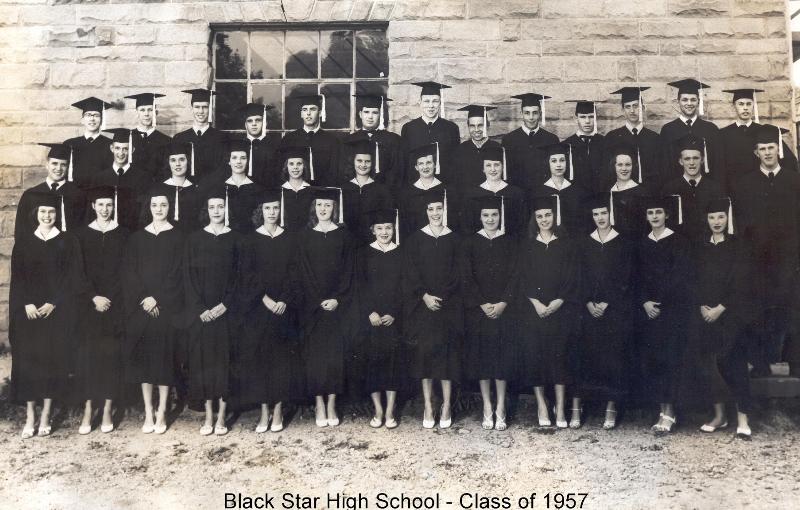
466,170
738,146
98,370
649,144
131,187
527,165
663,271
242,201
149,153
416,133
604,345
431,266
210,152
74,208
413,214
693,204
296,208
42,349
392,158
489,265
210,277
190,203
517,211
380,290
629,218
266,165
587,161
575,220
359,200
326,264
89,156
152,268
546,272
326,148
267,352
673,131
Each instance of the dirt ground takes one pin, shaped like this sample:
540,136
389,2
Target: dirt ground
625,468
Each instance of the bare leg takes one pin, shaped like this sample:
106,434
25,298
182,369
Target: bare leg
486,396
147,397
575,420
719,415
108,419
277,415
264,421
427,395
321,417
742,422
541,406
87,415
447,390
221,414
333,419
30,414
161,413
209,418
376,403
391,397
501,397
560,397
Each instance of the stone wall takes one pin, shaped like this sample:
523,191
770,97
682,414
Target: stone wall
54,52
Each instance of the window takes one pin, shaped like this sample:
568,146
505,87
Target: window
273,64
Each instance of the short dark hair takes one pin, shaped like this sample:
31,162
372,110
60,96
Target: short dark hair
313,221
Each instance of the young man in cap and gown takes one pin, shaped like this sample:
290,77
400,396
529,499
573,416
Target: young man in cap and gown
89,152
587,147
527,166
262,165
208,143
467,168
147,140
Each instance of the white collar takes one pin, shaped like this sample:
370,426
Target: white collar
667,232
529,131
150,228
684,118
148,132
546,243
482,232
630,184
428,230
46,237
210,230
354,180
251,138
739,123
419,185
286,185
377,246
91,137
263,231
312,130
774,171
551,184
611,235
318,229
50,182
712,241
485,185
124,168
482,142
96,226
427,121
245,181
202,130
638,127
186,183
696,179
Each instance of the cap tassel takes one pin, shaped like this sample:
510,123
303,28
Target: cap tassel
397,227
680,209
176,216
191,171
441,103
250,161
780,144
505,173
705,157
701,108
730,216
377,158
130,147
211,107
571,172
69,169
639,163
485,123
63,215
594,112
115,204
341,206
311,163
381,119
103,117
155,115
755,108
502,214
227,214
444,206
641,106
264,123
558,210
438,167
323,115
541,107
611,208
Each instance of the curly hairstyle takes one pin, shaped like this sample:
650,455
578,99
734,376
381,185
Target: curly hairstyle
312,213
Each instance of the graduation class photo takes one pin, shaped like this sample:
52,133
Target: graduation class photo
527,254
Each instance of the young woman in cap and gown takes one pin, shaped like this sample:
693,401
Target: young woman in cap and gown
488,260
326,265
380,305
296,192
101,315
547,280
211,275
412,197
241,192
184,200
606,262
46,277
570,194
363,193
625,192
433,315
266,353
662,307
153,290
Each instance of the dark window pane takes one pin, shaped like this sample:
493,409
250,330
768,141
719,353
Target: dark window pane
293,90
270,95
301,54
229,98
337,98
266,53
337,54
372,54
231,57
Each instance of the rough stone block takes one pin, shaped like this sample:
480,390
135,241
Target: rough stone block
5,271
170,13
182,34
135,74
382,11
20,155
6,230
409,9
214,12
298,10
10,177
590,69
187,73
614,47
6,245
636,9
701,8
571,9
567,48
666,29
83,75
605,29
408,71
196,52
534,69
120,14
9,16
33,176
510,29
322,11
401,49
468,30
626,70
75,37
341,10
763,46
272,11
546,29
466,70
447,50
726,27
734,67
758,8
775,27
20,76
232,12
527,48
137,34
708,47
670,48
48,15
4,319
361,10
446,9
414,31
503,9
661,68
37,134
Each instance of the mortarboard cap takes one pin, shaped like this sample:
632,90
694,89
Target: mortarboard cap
382,216
531,99
370,100
269,196
598,201
623,149
307,99
718,205
691,142
294,151
57,151
475,110
175,147
487,202
326,194
200,95
431,88
628,94
238,145
98,192
44,199
254,109
433,196
121,135
492,154
216,191
145,98
688,86
582,106
362,146
555,148
158,190
92,104
768,133
544,202
429,149
743,93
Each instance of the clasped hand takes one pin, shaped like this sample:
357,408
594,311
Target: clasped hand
42,312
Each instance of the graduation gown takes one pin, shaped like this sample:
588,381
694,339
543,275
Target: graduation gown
412,208
185,204
148,153
326,264
467,169
152,267
359,200
101,335
663,273
89,156
210,277
435,337
242,202
738,146
527,165
604,345
266,167
296,207
587,161
673,131
649,144
326,148
488,268
416,133
629,218
517,210
392,158
693,203
267,352
210,152
546,272
131,186
574,219
74,208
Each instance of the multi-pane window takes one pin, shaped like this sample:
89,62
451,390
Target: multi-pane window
273,66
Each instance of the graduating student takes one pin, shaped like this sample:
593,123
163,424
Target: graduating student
390,162
72,200
262,166
433,312
547,279
184,200
606,261
89,152
326,265
412,207
488,265
208,143
266,354
587,146
691,107
662,308
323,163
296,192
363,193
211,261
147,140
431,128
101,313
515,205
645,142
241,192
695,188
467,168
625,191
526,165
45,275
153,293
380,271
570,194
